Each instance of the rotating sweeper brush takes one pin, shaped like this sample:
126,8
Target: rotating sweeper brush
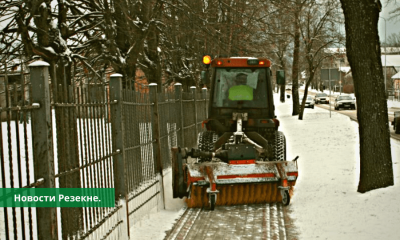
241,158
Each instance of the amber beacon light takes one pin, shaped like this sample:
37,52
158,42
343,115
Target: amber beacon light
206,59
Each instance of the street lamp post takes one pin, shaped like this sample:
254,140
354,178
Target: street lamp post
330,100
340,74
385,53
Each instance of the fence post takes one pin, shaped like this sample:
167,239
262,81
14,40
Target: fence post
179,108
193,90
204,95
155,126
43,153
117,126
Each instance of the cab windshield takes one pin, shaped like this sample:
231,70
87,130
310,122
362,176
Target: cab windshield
344,98
244,86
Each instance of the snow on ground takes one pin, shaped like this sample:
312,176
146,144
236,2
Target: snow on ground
326,204
157,223
393,104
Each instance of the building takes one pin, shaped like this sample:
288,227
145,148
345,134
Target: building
17,82
396,86
390,63
391,66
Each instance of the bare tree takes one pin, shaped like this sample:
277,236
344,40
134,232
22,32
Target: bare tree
393,40
294,9
318,32
395,12
364,55
126,27
181,42
277,40
150,60
194,28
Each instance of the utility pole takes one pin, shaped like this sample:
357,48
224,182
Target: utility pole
340,75
330,109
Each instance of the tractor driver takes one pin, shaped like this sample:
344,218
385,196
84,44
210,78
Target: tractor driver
240,90
241,79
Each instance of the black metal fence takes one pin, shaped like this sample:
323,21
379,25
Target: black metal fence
95,135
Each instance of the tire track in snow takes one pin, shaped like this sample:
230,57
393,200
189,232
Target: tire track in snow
246,222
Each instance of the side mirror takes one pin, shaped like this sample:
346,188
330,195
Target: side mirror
280,77
204,77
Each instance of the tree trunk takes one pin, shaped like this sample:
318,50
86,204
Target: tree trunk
67,146
303,101
295,69
364,55
153,72
282,92
283,86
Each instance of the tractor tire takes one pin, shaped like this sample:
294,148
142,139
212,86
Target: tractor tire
397,126
212,199
280,147
286,198
205,142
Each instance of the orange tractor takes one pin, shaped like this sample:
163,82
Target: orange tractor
241,158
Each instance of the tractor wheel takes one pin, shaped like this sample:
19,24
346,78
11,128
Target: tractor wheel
397,125
285,197
205,142
280,147
212,199
178,175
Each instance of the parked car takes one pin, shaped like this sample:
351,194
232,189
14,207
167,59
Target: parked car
396,122
309,102
345,101
321,98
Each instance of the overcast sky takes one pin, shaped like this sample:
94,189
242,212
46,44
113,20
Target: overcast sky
392,26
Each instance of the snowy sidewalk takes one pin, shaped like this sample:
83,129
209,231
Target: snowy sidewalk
326,204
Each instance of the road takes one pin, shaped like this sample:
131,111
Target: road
353,113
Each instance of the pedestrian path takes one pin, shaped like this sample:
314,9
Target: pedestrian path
247,222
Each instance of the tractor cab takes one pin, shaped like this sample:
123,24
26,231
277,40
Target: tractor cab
239,85
239,88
